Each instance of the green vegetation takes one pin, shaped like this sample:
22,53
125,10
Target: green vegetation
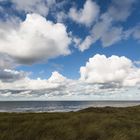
89,124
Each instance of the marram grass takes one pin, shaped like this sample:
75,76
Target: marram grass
106,123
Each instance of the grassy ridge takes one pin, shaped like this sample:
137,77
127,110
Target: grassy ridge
89,124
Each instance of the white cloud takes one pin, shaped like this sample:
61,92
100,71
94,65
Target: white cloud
105,29
35,39
8,75
76,41
111,36
137,63
61,16
86,15
6,62
114,70
32,6
134,32
86,43
56,77
25,83
124,7
101,78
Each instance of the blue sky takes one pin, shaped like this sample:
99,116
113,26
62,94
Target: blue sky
46,44
69,67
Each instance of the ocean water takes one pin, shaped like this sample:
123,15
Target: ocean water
59,106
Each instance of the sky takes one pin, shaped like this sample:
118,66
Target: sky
69,50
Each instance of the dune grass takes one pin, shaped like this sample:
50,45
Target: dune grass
89,124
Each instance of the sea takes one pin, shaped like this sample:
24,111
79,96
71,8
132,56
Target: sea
59,106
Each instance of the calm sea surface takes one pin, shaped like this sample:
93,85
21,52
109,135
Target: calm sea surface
58,106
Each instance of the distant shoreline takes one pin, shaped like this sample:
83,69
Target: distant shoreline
80,110
59,106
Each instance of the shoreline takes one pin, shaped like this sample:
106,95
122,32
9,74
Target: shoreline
59,106
74,111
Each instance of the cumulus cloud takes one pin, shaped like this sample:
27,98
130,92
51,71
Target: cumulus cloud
61,16
105,29
32,6
26,83
104,77
137,63
56,77
136,33
85,15
6,62
8,75
112,36
56,86
133,32
116,70
124,7
86,43
35,39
